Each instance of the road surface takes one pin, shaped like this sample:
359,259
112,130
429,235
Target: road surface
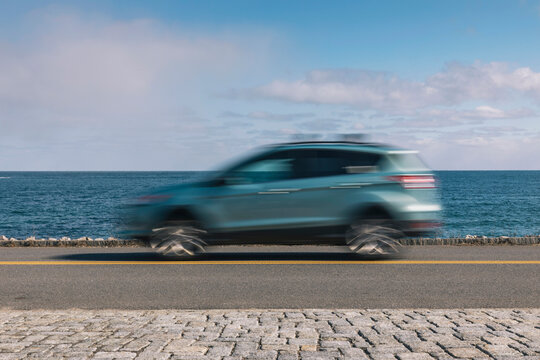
277,278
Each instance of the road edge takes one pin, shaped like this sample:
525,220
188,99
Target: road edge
114,242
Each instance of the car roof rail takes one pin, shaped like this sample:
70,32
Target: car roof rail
322,142
356,139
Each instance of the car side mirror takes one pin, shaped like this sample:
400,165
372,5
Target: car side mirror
229,181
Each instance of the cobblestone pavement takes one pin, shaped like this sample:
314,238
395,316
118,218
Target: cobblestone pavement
271,334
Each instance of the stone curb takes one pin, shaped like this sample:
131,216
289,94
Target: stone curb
474,240
114,242
68,242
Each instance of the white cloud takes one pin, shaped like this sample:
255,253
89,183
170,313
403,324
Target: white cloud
447,117
92,93
323,124
135,93
266,115
456,84
483,112
486,112
74,71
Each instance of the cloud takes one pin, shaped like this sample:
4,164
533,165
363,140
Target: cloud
447,117
265,115
456,84
72,71
486,112
86,92
314,124
322,124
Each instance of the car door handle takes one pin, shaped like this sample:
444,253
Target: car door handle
277,191
350,185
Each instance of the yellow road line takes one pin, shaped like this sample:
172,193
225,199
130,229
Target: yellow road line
280,262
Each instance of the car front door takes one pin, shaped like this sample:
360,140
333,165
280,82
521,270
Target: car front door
251,195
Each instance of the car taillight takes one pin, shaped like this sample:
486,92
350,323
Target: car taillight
424,225
414,181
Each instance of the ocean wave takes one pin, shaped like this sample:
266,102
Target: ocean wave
5,177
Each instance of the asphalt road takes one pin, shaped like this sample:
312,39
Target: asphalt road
238,278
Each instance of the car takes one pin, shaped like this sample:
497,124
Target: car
363,195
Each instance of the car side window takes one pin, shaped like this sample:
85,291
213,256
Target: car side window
268,168
361,162
319,163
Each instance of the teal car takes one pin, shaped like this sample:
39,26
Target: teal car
364,195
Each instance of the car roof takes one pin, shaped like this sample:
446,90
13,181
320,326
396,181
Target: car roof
341,145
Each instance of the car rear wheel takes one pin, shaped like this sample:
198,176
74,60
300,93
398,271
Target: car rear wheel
374,237
178,239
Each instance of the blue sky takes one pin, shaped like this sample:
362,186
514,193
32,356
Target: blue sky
171,85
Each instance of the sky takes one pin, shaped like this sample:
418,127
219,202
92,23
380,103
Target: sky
187,85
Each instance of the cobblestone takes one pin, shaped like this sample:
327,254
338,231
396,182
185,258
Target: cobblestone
271,334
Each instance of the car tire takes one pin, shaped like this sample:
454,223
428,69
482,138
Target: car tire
178,239
374,238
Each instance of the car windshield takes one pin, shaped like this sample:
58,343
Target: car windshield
239,160
265,168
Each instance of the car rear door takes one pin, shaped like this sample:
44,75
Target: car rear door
327,183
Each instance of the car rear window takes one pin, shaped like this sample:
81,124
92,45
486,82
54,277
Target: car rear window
407,161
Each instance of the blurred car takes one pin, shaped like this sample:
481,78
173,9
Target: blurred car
364,195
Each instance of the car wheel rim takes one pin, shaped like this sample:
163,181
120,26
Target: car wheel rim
178,239
373,238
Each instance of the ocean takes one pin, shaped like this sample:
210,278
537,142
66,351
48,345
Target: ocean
76,204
